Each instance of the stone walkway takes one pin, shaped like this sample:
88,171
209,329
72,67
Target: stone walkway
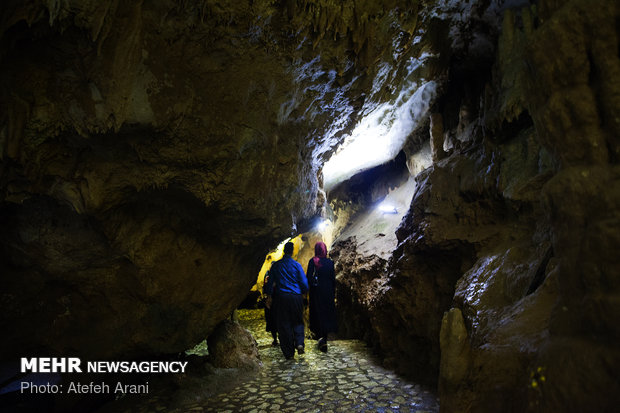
346,378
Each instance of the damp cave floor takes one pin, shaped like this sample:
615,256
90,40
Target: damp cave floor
346,378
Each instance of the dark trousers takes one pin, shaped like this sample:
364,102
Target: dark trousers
290,319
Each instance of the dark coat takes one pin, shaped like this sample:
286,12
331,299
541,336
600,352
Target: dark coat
322,285
270,314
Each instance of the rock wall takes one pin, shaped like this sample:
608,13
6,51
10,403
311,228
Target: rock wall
551,339
503,287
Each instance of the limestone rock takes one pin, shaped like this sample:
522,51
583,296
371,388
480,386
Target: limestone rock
436,132
455,351
359,280
530,250
232,346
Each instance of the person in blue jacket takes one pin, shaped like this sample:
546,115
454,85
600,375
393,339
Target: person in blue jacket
289,283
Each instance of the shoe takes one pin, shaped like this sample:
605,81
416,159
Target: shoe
289,357
274,343
322,344
300,349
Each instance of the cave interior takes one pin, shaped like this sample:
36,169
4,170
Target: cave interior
459,159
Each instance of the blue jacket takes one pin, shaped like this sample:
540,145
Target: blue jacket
288,276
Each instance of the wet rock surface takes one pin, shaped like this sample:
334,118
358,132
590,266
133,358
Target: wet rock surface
514,226
346,378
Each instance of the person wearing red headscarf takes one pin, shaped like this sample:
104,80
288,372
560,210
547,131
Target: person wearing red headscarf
322,283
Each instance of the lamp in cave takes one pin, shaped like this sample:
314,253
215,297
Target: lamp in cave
388,209
321,225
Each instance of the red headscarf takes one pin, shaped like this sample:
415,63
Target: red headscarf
320,251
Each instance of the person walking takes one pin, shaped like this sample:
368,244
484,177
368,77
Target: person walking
270,315
322,280
290,283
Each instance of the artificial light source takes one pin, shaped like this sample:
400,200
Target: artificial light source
388,209
321,225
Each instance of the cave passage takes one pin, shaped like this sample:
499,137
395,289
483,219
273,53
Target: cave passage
346,378
463,158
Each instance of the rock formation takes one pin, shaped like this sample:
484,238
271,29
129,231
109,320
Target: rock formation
232,346
514,229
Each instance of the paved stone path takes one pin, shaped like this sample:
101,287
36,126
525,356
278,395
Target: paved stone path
345,379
